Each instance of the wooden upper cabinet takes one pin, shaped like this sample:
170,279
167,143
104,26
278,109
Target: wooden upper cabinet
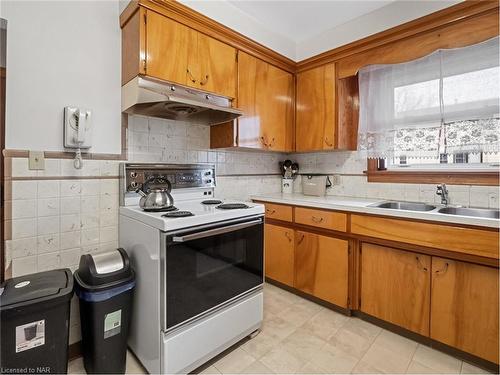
321,267
216,66
160,47
395,286
170,47
464,311
266,96
316,109
279,254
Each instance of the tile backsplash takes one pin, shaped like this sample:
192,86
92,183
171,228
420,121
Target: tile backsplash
240,174
346,172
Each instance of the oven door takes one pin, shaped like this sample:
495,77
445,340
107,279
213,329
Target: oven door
206,267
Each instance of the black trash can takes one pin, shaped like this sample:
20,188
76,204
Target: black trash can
104,284
34,322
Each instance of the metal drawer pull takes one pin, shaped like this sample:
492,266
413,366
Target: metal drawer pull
216,231
287,235
420,264
301,239
271,212
443,270
317,219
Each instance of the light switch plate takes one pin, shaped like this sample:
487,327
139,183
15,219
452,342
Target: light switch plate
36,160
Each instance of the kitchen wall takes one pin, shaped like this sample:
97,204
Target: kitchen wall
346,172
240,174
62,53
56,215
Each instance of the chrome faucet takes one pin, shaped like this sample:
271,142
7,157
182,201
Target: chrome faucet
443,192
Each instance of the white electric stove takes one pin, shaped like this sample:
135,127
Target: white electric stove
199,277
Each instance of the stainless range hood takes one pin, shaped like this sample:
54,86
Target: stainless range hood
156,98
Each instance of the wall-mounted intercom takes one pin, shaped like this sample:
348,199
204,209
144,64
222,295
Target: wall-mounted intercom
77,131
77,128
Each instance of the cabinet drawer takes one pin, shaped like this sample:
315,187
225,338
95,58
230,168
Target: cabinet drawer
278,212
446,237
322,219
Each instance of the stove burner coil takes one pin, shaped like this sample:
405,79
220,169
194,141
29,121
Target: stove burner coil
163,209
211,201
178,214
232,206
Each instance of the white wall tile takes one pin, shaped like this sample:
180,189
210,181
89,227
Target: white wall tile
23,208
70,205
48,243
48,261
24,266
22,247
70,188
48,225
70,240
48,189
24,189
48,207
22,228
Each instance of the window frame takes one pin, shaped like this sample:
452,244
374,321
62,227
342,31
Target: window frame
408,176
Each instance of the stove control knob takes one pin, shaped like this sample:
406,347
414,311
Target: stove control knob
133,185
209,181
208,173
133,174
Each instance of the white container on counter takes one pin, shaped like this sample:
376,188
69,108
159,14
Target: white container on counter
314,185
287,185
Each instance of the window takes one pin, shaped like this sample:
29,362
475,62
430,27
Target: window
440,112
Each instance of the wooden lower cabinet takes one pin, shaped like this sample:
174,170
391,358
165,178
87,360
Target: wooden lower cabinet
464,312
395,286
321,267
279,254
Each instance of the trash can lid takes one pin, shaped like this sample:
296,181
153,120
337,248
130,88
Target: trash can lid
103,270
33,288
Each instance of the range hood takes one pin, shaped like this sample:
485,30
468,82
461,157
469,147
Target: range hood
157,98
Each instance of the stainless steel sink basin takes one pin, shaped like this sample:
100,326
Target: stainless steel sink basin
406,206
475,212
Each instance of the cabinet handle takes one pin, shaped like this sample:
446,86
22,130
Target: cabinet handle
191,76
327,143
271,144
287,235
204,82
263,140
442,270
271,212
317,219
420,265
301,239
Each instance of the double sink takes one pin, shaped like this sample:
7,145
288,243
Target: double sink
448,210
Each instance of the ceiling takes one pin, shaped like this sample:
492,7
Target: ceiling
299,20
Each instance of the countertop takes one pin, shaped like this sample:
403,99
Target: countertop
361,205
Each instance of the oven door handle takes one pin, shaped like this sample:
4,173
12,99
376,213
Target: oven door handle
216,231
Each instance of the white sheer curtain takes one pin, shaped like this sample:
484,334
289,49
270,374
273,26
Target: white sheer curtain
446,102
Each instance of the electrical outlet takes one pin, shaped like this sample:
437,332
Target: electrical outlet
36,160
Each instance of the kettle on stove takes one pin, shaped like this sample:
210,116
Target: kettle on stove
156,199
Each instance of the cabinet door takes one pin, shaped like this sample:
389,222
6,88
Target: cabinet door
217,66
279,254
395,286
168,46
316,109
464,311
321,267
265,94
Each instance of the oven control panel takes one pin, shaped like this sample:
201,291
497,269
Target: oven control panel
148,176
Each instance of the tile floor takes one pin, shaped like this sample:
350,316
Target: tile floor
299,336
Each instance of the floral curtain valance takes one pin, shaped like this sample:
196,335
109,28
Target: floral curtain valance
444,103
